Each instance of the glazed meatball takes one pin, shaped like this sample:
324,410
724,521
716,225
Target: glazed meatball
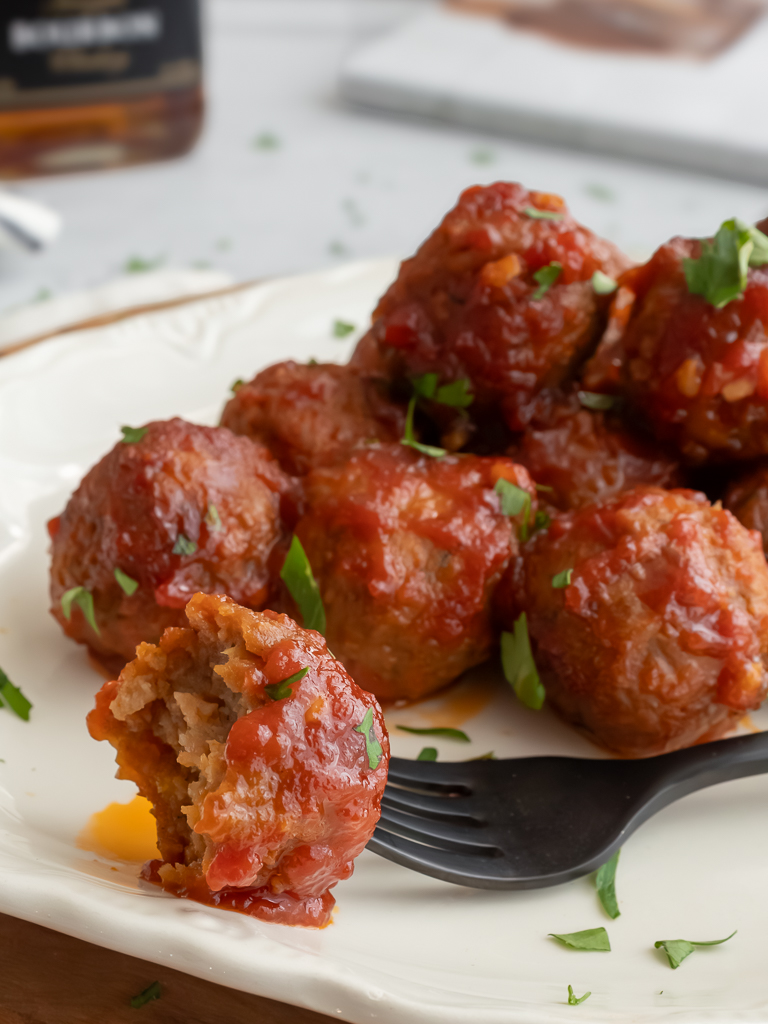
312,416
468,304
697,375
263,761
660,639
177,509
407,551
747,498
586,456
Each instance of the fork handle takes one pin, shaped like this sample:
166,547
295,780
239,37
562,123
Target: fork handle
684,771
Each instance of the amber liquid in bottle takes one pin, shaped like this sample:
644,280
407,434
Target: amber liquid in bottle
88,84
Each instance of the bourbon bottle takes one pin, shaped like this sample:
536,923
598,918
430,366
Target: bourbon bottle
90,84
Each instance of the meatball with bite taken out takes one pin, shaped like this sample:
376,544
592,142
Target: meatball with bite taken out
313,415
173,509
648,616
500,295
747,498
407,551
581,455
264,762
687,345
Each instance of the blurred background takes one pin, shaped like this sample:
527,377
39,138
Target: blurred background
334,130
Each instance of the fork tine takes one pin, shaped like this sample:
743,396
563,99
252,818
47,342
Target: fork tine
462,869
459,809
449,778
433,833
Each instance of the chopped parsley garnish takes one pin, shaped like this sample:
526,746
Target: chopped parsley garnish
602,284
482,156
546,488
546,277
266,141
448,734
490,756
236,385
132,435
678,949
593,940
127,583
427,754
212,518
720,274
597,402
515,500
457,394
424,386
572,1000
84,600
341,328
519,667
410,441
153,991
534,214
541,521
605,883
279,691
562,579
372,745
297,575
138,265
12,698
184,546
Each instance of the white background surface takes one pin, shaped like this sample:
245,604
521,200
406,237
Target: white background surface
373,185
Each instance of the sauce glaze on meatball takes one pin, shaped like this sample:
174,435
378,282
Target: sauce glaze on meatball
407,551
314,415
263,798
661,638
467,304
697,375
184,509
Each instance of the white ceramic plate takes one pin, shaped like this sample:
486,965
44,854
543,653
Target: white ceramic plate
403,949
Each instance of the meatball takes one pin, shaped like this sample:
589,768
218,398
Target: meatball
660,639
586,456
263,761
312,415
696,374
747,498
174,509
501,295
407,551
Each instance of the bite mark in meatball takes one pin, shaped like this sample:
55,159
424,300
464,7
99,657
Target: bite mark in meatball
467,305
407,551
262,800
314,415
661,638
184,509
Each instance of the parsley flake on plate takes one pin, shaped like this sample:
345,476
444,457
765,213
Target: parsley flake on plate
678,949
184,546
212,518
153,991
546,277
132,435
84,600
519,667
341,328
12,698
448,734
128,585
266,141
297,575
138,265
279,691
605,883
597,402
562,579
573,1000
591,940
372,745
602,284
719,275
534,214
427,754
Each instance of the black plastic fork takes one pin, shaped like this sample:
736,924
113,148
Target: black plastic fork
531,822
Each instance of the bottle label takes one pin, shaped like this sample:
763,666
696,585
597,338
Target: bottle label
71,52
